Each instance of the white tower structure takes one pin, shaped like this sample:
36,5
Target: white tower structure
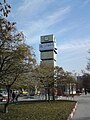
48,49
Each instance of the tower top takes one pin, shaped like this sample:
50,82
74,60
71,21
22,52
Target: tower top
47,38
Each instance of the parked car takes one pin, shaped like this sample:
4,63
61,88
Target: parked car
4,93
2,98
23,93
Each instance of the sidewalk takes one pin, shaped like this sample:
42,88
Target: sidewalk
83,108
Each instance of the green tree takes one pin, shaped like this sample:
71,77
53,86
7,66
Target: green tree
59,78
64,79
44,73
70,81
16,58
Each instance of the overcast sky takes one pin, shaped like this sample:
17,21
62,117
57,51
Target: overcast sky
68,20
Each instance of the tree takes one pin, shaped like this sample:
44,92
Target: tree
86,82
59,78
5,8
64,79
59,74
44,73
79,84
26,81
16,58
86,77
88,65
70,81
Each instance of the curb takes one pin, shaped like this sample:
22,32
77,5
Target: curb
72,113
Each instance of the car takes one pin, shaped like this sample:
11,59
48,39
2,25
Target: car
2,98
4,93
23,93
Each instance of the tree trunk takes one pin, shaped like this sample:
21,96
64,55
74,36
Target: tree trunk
69,88
8,100
72,89
45,93
53,96
48,94
85,91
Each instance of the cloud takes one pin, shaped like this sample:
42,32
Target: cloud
50,19
42,24
73,54
85,2
75,45
67,29
30,7
36,17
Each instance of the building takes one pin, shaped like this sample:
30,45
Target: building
48,53
48,49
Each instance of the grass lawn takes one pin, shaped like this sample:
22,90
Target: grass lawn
58,110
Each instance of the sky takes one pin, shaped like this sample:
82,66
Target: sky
68,20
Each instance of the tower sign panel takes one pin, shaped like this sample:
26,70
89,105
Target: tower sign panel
46,46
47,38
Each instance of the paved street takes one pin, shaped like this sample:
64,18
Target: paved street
34,98
83,108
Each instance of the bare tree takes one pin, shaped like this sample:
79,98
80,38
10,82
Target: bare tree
88,64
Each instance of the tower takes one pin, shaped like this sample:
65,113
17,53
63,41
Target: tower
48,49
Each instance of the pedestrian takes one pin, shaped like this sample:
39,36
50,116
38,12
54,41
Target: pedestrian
13,96
16,97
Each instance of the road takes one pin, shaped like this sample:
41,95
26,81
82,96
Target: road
83,108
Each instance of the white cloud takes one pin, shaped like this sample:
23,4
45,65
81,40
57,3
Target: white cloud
29,7
41,25
34,26
75,44
51,19
72,55
67,29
